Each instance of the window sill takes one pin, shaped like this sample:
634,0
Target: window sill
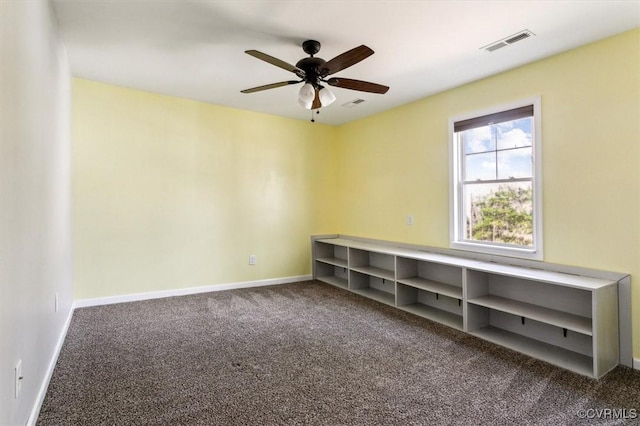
509,251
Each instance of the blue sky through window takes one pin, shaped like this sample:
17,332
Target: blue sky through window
499,151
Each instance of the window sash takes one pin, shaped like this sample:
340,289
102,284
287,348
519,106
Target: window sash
510,180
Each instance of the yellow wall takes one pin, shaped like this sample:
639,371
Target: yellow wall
396,163
169,193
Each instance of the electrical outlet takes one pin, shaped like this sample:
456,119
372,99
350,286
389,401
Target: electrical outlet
252,259
18,379
410,219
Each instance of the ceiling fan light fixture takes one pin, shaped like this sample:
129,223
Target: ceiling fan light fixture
305,105
306,95
326,96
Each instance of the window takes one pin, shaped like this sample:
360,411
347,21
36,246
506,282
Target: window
495,183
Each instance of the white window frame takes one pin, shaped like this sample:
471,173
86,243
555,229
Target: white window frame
456,203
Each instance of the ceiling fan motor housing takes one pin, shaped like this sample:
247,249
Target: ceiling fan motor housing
311,67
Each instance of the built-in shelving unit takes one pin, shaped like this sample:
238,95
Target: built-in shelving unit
567,320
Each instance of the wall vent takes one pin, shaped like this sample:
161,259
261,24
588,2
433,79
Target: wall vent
521,35
353,103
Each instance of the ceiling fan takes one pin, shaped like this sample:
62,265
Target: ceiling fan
314,71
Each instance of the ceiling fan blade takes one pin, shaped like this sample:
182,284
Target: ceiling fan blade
345,60
363,86
275,61
316,101
270,86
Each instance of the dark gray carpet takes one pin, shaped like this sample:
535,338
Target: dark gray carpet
305,353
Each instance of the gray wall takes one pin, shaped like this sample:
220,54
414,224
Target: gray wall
35,201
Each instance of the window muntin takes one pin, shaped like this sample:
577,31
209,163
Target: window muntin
496,202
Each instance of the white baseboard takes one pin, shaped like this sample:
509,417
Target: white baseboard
35,411
83,303
636,363
37,405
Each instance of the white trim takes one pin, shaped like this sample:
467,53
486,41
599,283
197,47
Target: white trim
636,363
455,194
109,300
37,405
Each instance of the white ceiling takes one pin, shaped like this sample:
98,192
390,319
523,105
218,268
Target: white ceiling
195,49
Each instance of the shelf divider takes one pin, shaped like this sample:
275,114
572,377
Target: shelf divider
375,272
375,294
561,357
535,312
433,286
335,281
333,261
434,314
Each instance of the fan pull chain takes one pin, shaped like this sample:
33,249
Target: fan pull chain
312,119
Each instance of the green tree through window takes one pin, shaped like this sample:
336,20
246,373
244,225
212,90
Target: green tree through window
504,216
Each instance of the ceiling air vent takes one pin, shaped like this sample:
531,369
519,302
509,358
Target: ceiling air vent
496,46
353,103
508,40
